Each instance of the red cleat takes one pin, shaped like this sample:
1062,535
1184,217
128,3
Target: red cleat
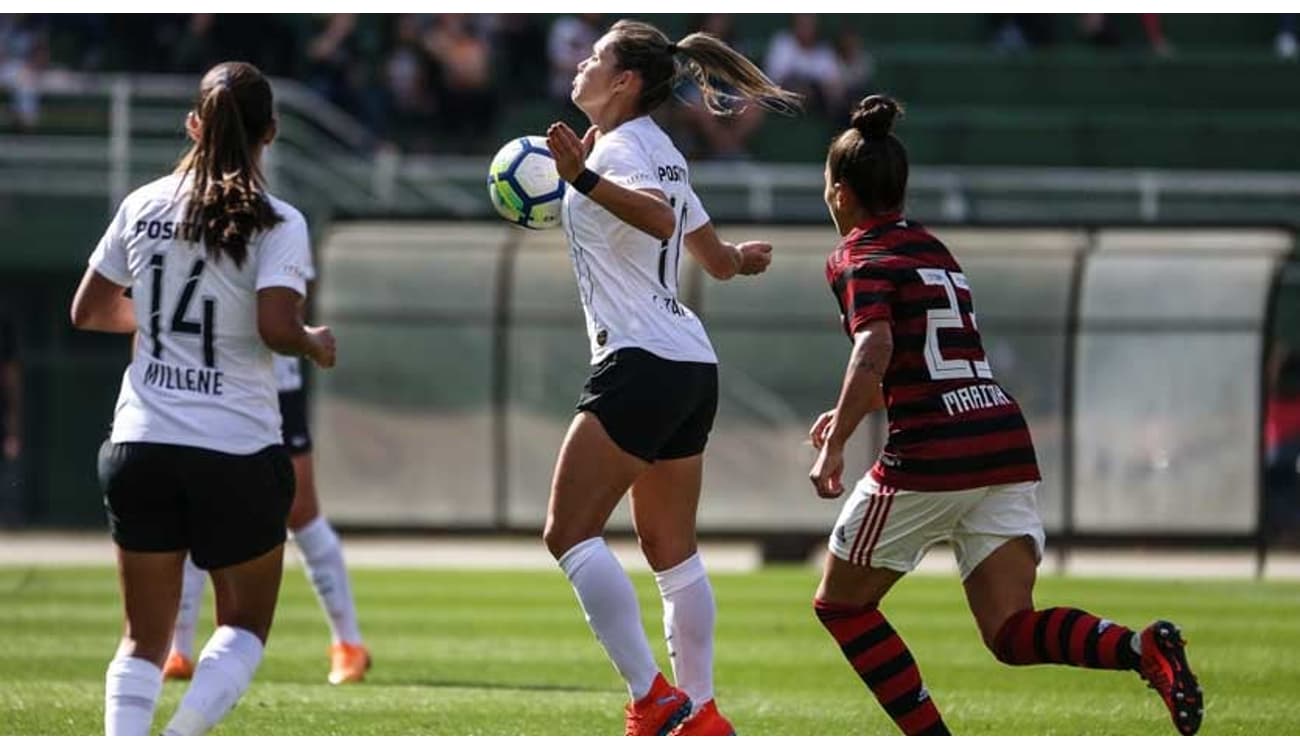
707,722
659,712
1164,666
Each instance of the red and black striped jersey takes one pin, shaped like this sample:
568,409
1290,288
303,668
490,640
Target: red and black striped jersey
951,426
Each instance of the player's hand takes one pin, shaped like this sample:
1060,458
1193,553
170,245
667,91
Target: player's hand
755,257
821,429
323,347
826,472
569,152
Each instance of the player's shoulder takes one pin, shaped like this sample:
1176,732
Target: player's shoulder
288,213
165,189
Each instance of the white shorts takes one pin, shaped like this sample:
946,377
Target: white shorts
882,527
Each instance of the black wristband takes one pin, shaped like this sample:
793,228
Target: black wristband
586,181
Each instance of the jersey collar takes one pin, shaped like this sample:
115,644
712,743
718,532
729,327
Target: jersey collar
872,223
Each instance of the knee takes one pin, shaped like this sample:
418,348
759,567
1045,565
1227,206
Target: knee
664,551
559,539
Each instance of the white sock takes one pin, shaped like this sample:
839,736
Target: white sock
322,558
131,688
187,617
689,614
609,601
224,672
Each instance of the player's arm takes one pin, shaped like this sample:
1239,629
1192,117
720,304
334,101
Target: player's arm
723,260
861,394
280,324
647,210
101,305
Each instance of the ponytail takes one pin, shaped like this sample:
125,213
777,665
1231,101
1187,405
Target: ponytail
227,203
709,61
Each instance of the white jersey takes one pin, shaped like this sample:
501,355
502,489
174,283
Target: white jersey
201,375
627,279
288,370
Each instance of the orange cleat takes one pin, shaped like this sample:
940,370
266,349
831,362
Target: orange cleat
178,667
348,663
659,712
707,722
1164,666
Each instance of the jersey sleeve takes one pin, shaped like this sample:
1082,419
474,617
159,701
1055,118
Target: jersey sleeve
110,257
696,216
284,258
867,295
624,162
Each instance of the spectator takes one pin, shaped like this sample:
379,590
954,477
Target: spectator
11,440
571,40
197,50
1282,447
1100,29
799,61
702,134
1020,32
409,76
856,67
1287,45
24,55
464,62
519,41
337,69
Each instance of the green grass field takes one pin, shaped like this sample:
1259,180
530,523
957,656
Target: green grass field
471,653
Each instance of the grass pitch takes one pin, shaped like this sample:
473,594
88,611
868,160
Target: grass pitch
470,653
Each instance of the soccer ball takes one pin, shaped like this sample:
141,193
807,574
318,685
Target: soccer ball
523,184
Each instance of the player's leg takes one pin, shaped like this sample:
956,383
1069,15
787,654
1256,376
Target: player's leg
151,588
180,662
664,503
146,520
877,538
592,474
998,545
245,601
239,508
322,559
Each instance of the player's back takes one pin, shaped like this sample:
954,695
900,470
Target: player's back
951,425
201,374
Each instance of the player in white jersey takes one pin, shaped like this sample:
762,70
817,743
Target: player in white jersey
318,546
215,268
645,414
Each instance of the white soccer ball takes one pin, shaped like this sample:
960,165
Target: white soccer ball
523,184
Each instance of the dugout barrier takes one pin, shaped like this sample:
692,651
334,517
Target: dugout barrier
1136,353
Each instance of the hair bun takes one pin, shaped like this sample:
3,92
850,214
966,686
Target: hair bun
874,116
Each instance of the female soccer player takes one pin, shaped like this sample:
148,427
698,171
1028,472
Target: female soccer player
319,546
216,268
959,464
646,411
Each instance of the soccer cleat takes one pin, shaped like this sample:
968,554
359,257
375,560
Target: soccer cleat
178,667
707,722
659,712
1164,666
348,663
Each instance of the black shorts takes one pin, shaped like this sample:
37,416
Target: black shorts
293,422
653,408
224,508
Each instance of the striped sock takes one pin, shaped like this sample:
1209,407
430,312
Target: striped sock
883,662
1063,635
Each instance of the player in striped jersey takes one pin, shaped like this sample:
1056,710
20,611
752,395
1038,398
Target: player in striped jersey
216,270
958,464
318,546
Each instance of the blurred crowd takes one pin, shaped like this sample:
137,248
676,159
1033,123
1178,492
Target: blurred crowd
402,75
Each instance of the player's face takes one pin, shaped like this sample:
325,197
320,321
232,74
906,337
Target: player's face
599,77
830,195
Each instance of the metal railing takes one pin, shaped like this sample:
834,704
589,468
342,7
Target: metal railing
325,157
